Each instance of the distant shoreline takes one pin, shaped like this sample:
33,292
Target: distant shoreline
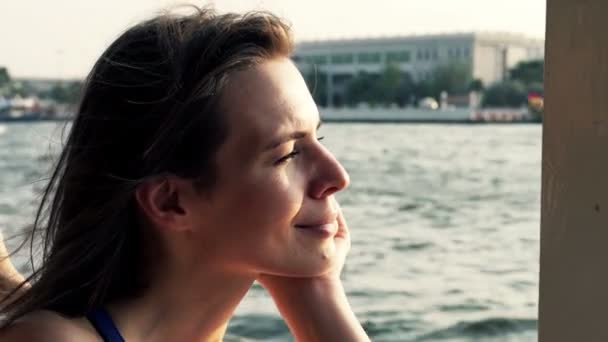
460,116
424,122
22,120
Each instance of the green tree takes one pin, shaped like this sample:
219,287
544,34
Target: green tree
528,72
423,89
16,88
388,84
58,93
5,77
405,89
66,93
476,85
505,94
385,87
536,88
5,81
362,88
454,78
391,86
74,90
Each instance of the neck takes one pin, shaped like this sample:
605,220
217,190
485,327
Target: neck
183,306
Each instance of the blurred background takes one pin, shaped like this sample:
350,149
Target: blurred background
434,107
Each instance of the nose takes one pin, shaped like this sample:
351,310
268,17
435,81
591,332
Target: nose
329,175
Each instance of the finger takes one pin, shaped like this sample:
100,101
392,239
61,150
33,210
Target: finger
343,230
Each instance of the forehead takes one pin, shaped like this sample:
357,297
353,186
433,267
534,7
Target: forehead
268,99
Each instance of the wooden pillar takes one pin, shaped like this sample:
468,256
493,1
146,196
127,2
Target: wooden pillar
573,303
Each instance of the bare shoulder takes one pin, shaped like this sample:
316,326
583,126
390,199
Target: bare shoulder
49,326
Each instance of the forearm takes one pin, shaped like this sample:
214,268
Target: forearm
319,312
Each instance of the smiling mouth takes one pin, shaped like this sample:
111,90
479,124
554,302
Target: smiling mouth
322,229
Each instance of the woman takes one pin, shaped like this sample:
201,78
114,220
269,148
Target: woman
192,168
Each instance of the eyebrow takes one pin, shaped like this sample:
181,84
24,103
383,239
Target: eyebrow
291,136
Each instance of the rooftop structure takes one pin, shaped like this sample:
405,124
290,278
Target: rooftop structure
489,55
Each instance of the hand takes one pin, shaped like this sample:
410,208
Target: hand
8,272
316,308
274,283
10,278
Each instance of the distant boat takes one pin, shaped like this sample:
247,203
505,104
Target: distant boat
19,109
5,105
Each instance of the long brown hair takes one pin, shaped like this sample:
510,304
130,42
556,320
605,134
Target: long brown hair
149,108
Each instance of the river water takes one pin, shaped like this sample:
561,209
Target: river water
444,222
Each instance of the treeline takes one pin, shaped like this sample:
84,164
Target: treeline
67,92
390,87
393,86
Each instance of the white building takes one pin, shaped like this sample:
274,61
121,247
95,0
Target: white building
490,55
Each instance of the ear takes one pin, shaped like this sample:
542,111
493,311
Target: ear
162,202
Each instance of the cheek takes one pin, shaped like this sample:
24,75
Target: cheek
270,198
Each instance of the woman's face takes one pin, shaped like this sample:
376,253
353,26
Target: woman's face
272,209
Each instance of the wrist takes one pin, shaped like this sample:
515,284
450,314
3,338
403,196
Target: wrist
317,309
296,292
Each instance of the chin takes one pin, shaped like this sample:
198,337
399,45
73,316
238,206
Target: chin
313,264
305,258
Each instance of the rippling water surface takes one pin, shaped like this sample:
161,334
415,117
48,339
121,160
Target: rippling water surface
444,221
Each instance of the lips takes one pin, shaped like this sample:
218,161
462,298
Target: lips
320,221
324,229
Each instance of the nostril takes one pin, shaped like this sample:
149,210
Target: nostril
330,191
323,189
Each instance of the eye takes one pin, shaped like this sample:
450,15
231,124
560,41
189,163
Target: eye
289,156
292,154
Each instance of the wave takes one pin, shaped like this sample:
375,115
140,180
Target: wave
490,327
395,330
259,327
414,246
270,328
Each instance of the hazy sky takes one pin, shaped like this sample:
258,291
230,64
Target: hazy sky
63,38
